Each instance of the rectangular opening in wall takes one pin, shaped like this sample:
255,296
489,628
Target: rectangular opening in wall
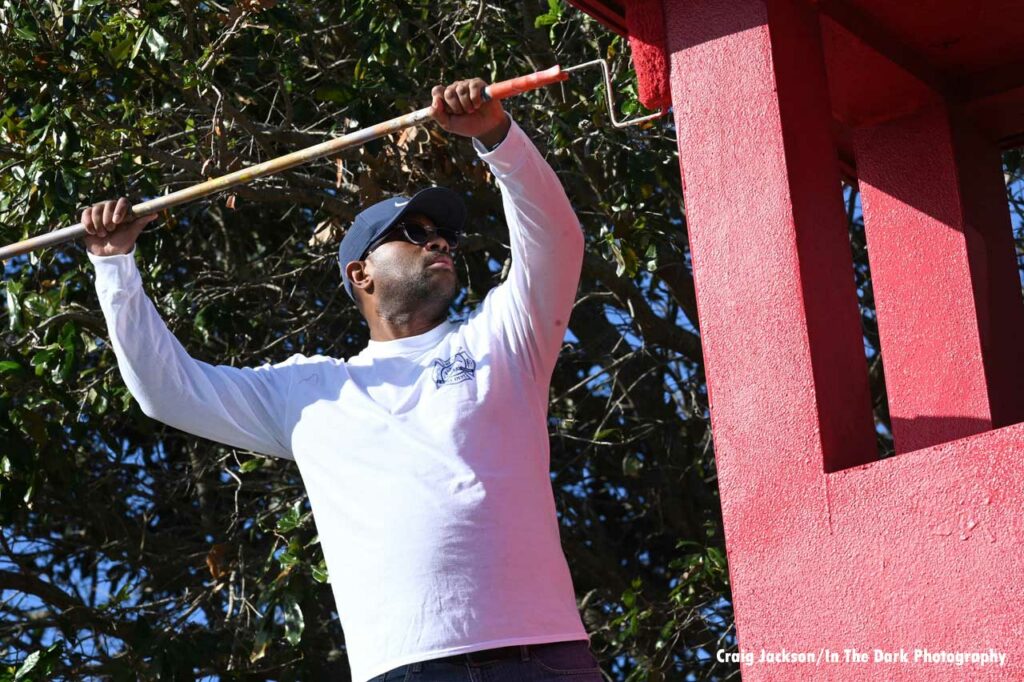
868,321
1013,171
1013,174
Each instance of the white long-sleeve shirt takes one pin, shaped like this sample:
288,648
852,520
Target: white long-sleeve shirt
426,459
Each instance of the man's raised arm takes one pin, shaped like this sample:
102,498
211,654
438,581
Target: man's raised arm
244,408
535,302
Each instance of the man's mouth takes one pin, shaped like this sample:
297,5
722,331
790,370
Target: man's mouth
441,262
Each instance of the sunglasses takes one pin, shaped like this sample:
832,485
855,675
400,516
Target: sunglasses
417,234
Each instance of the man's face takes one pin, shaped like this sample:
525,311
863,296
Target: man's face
409,277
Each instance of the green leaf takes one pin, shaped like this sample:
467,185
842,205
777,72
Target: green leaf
121,50
122,594
631,466
331,93
157,44
716,558
98,401
9,367
202,322
37,305
13,291
34,425
290,520
252,464
320,573
26,33
293,621
288,559
138,43
28,665
554,13
40,360
259,648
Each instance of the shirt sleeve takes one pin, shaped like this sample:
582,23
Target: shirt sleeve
241,407
533,305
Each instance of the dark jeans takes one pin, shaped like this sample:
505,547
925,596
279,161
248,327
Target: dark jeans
526,663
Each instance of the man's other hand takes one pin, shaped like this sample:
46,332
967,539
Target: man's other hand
460,108
110,229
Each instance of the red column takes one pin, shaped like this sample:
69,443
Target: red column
782,341
944,275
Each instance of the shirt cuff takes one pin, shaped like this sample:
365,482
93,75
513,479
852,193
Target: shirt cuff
509,154
116,273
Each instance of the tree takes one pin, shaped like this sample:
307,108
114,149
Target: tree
134,551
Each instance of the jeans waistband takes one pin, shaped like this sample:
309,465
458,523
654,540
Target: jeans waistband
520,652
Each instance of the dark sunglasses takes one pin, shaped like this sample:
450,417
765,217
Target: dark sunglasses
417,234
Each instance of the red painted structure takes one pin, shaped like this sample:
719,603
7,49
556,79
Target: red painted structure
774,100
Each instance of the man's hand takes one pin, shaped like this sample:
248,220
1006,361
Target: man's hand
460,108
109,231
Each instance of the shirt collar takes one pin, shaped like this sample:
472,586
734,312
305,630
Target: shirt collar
409,345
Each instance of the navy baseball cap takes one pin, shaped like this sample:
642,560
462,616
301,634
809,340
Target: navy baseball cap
440,204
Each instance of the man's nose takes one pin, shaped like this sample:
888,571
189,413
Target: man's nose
436,242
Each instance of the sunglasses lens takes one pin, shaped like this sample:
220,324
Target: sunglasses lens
450,236
420,235
416,233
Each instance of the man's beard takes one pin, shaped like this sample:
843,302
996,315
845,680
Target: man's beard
424,293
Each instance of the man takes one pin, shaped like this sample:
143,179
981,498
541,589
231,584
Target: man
425,456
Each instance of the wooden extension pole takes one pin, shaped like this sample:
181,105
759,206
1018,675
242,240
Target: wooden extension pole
500,90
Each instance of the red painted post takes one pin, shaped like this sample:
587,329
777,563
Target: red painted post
786,366
949,307
994,272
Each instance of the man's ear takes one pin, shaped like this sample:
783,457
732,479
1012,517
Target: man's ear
359,276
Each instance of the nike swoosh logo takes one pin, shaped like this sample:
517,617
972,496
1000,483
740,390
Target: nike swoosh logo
401,203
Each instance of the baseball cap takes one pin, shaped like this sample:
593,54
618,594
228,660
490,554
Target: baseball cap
440,204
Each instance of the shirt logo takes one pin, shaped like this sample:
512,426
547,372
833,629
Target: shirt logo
460,367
